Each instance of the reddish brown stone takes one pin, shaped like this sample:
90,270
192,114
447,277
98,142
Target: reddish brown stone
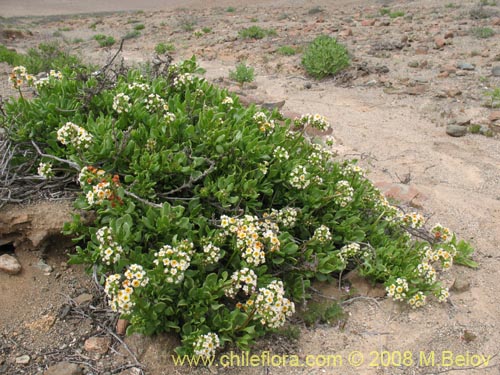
368,22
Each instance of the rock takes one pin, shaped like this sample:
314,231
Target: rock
496,71
43,324
494,116
9,264
23,360
346,32
453,92
273,105
401,192
413,64
495,21
460,286
63,368
83,299
417,90
121,326
448,35
44,267
421,50
368,22
456,130
99,345
465,66
156,350
439,42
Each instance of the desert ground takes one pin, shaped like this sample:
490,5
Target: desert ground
412,109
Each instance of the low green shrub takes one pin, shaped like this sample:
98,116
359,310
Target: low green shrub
242,74
256,32
104,40
482,32
162,48
325,57
286,51
212,218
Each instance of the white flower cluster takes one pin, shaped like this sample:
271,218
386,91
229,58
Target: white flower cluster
183,79
169,117
45,170
299,177
272,307
352,170
280,153
344,193
245,280
322,234
44,81
121,103
75,135
265,125
120,293
88,174
151,144
206,345
227,101
109,250
426,271
441,234
413,220
440,255
155,102
315,158
174,261
263,167
141,86
18,76
349,251
316,121
330,141
398,290
443,295
252,235
212,253
287,216
99,193
418,300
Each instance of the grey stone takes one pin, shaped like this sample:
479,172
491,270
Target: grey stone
465,66
9,264
456,130
83,299
460,286
496,71
44,266
64,368
23,360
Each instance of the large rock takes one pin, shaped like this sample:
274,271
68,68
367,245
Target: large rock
9,264
155,352
456,130
99,345
63,368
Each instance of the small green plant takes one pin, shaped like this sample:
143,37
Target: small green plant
133,20
65,28
475,129
286,51
256,32
10,57
132,34
104,40
187,24
325,57
396,14
253,19
315,10
384,11
488,2
57,34
198,33
494,98
230,9
483,32
139,27
206,30
242,74
162,48
77,41
451,6
94,24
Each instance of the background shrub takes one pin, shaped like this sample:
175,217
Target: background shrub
325,57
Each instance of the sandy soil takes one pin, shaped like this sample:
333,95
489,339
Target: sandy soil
393,120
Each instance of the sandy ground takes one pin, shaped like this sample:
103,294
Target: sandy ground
393,122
